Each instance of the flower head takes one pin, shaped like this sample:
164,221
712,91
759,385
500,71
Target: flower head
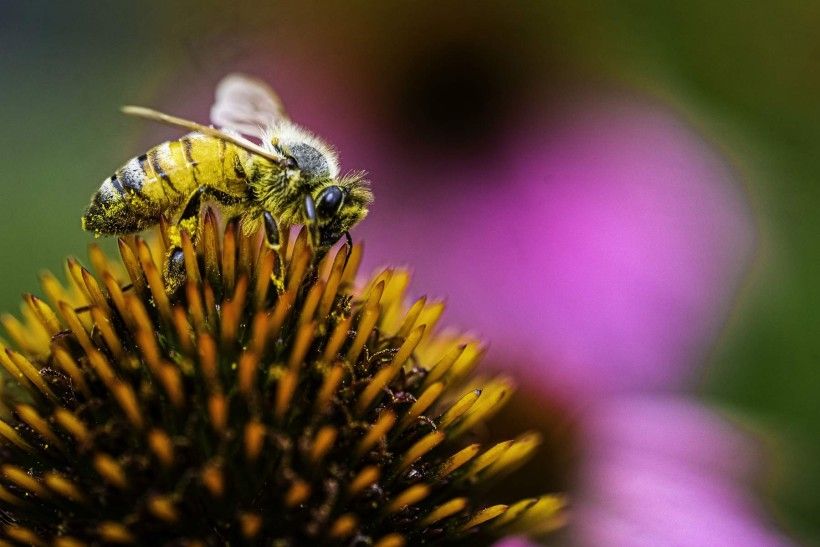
243,411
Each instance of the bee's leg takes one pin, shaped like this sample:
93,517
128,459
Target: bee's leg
174,269
273,239
174,272
312,221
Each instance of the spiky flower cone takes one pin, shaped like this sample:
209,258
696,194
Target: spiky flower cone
245,411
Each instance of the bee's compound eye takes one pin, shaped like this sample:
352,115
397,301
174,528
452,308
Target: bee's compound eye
329,201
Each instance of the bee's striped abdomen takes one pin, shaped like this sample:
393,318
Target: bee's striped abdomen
161,181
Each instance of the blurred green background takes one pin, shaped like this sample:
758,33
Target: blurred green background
745,73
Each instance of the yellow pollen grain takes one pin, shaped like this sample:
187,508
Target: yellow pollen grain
409,497
420,448
377,431
444,511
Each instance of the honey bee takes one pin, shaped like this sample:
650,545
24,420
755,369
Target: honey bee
292,178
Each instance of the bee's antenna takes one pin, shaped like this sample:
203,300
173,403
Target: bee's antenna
150,114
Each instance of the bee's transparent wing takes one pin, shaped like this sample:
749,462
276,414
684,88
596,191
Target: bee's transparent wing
246,105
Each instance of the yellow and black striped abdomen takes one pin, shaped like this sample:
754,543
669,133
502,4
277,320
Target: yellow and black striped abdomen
161,181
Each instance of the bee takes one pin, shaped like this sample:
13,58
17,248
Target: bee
292,177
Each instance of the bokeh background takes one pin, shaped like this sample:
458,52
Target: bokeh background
444,80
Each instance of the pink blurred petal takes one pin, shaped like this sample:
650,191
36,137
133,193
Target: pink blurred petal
597,255
665,471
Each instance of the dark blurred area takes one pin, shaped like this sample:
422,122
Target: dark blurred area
440,84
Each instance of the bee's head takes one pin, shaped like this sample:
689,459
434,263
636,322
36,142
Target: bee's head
340,205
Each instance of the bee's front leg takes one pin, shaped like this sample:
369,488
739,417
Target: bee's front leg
312,221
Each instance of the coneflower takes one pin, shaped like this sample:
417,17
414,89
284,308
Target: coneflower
270,401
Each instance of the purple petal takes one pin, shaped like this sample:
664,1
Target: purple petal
596,255
664,471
